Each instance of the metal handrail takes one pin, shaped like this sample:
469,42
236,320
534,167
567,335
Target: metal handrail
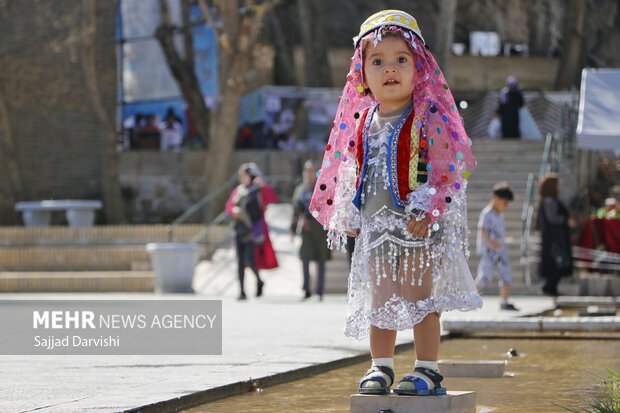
555,146
527,213
189,212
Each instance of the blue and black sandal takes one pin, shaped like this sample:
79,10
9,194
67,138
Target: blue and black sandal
422,382
375,381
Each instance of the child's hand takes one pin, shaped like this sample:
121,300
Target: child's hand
419,228
495,244
351,233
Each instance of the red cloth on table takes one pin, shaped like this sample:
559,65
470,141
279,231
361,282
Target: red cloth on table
607,232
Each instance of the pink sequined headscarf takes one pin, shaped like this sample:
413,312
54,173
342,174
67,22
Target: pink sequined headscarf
450,160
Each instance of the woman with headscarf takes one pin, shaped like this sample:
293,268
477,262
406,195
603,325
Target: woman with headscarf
556,259
510,101
246,205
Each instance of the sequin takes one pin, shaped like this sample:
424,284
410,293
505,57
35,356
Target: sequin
422,144
431,142
452,168
337,154
358,66
433,109
356,115
438,130
323,187
444,118
429,167
343,125
327,163
445,86
455,135
328,147
466,174
419,65
344,159
360,89
437,71
444,178
318,173
448,199
459,155
330,202
435,212
457,185
432,191
435,227
315,214
351,142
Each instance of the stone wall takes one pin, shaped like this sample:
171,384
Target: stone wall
160,186
57,138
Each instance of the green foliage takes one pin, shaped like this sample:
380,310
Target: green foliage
609,401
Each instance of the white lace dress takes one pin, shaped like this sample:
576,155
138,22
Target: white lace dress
397,279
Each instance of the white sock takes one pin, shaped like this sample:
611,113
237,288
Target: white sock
385,362
427,365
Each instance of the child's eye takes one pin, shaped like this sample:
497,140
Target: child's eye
377,62
402,59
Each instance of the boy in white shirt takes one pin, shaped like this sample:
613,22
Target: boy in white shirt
491,243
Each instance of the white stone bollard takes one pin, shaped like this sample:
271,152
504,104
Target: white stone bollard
174,264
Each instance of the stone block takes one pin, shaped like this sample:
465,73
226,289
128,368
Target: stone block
453,402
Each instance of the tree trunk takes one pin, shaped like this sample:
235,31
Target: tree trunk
284,67
316,61
111,188
445,33
236,59
183,73
571,61
8,154
188,40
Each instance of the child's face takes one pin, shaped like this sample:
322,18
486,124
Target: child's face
500,204
388,73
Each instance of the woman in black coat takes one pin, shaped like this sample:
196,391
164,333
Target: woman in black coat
556,259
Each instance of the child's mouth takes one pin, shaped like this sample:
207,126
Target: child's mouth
391,82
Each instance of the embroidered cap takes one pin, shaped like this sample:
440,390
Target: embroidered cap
388,18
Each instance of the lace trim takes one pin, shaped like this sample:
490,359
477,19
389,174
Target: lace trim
400,314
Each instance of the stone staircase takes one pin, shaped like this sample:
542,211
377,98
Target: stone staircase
94,259
502,160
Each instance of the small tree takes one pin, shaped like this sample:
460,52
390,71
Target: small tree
110,183
237,31
8,155
572,58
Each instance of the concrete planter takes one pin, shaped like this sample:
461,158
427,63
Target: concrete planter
174,264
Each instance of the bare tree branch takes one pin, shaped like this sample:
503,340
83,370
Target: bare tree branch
183,72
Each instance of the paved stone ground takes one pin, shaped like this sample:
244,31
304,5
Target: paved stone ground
261,337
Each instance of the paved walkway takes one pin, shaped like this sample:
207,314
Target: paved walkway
261,338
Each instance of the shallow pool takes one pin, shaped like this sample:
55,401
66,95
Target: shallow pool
548,374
